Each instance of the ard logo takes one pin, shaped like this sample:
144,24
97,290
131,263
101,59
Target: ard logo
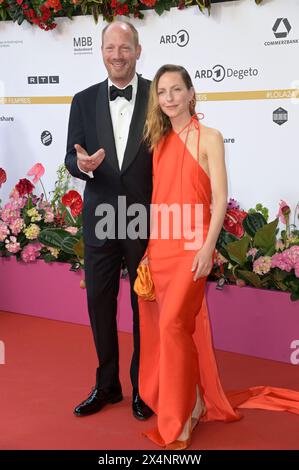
181,38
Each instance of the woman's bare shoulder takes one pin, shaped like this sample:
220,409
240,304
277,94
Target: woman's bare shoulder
210,134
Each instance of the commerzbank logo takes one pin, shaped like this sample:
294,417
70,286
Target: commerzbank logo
181,38
281,28
281,33
218,73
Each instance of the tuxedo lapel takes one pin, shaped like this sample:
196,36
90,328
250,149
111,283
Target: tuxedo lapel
104,126
137,124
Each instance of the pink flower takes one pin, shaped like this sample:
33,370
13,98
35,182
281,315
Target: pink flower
233,204
220,259
287,260
252,252
262,265
12,245
72,230
279,245
31,252
16,226
4,231
49,217
10,212
14,196
37,171
284,212
240,283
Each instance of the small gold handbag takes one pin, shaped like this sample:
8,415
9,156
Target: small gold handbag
143,285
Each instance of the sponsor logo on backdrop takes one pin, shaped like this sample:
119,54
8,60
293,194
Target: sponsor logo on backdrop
46,138
294,358
181,38
11,43
7,118
218,73
281,30
83,45
280,116
43,80
229,140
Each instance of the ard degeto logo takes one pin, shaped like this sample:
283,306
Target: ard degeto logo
43,80
281,28
46,138
181,38
218,73
280,116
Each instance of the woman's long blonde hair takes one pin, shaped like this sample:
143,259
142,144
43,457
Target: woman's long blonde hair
157,124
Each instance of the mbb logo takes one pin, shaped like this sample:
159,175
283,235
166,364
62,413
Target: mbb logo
83,41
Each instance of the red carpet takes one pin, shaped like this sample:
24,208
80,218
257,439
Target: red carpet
50,367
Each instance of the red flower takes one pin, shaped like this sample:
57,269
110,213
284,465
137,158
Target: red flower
284,212
149,3
233,222
2,176
19,2
73,200
24,187
55,4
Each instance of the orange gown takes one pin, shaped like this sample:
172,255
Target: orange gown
176,354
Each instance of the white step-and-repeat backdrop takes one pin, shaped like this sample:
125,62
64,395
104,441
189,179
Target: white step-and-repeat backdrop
244,63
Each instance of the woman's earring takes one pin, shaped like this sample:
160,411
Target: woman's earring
192,104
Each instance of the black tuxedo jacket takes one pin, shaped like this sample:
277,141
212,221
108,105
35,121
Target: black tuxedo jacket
90,126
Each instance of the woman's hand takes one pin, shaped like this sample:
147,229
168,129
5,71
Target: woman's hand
144,260
202,263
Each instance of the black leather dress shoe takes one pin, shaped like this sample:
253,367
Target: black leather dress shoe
97,399
140,409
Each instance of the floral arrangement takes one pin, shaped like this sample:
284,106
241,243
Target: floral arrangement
31,227
250,250
43,13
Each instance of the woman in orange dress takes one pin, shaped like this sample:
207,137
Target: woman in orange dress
178,377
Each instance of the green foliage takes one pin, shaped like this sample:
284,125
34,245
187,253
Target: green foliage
11,9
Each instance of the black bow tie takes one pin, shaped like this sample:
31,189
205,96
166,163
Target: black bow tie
125,93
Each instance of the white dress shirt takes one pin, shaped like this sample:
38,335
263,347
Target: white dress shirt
121,111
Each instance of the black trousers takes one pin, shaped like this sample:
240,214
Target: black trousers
102,275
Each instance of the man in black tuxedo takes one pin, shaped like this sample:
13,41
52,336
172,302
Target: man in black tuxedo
105,149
